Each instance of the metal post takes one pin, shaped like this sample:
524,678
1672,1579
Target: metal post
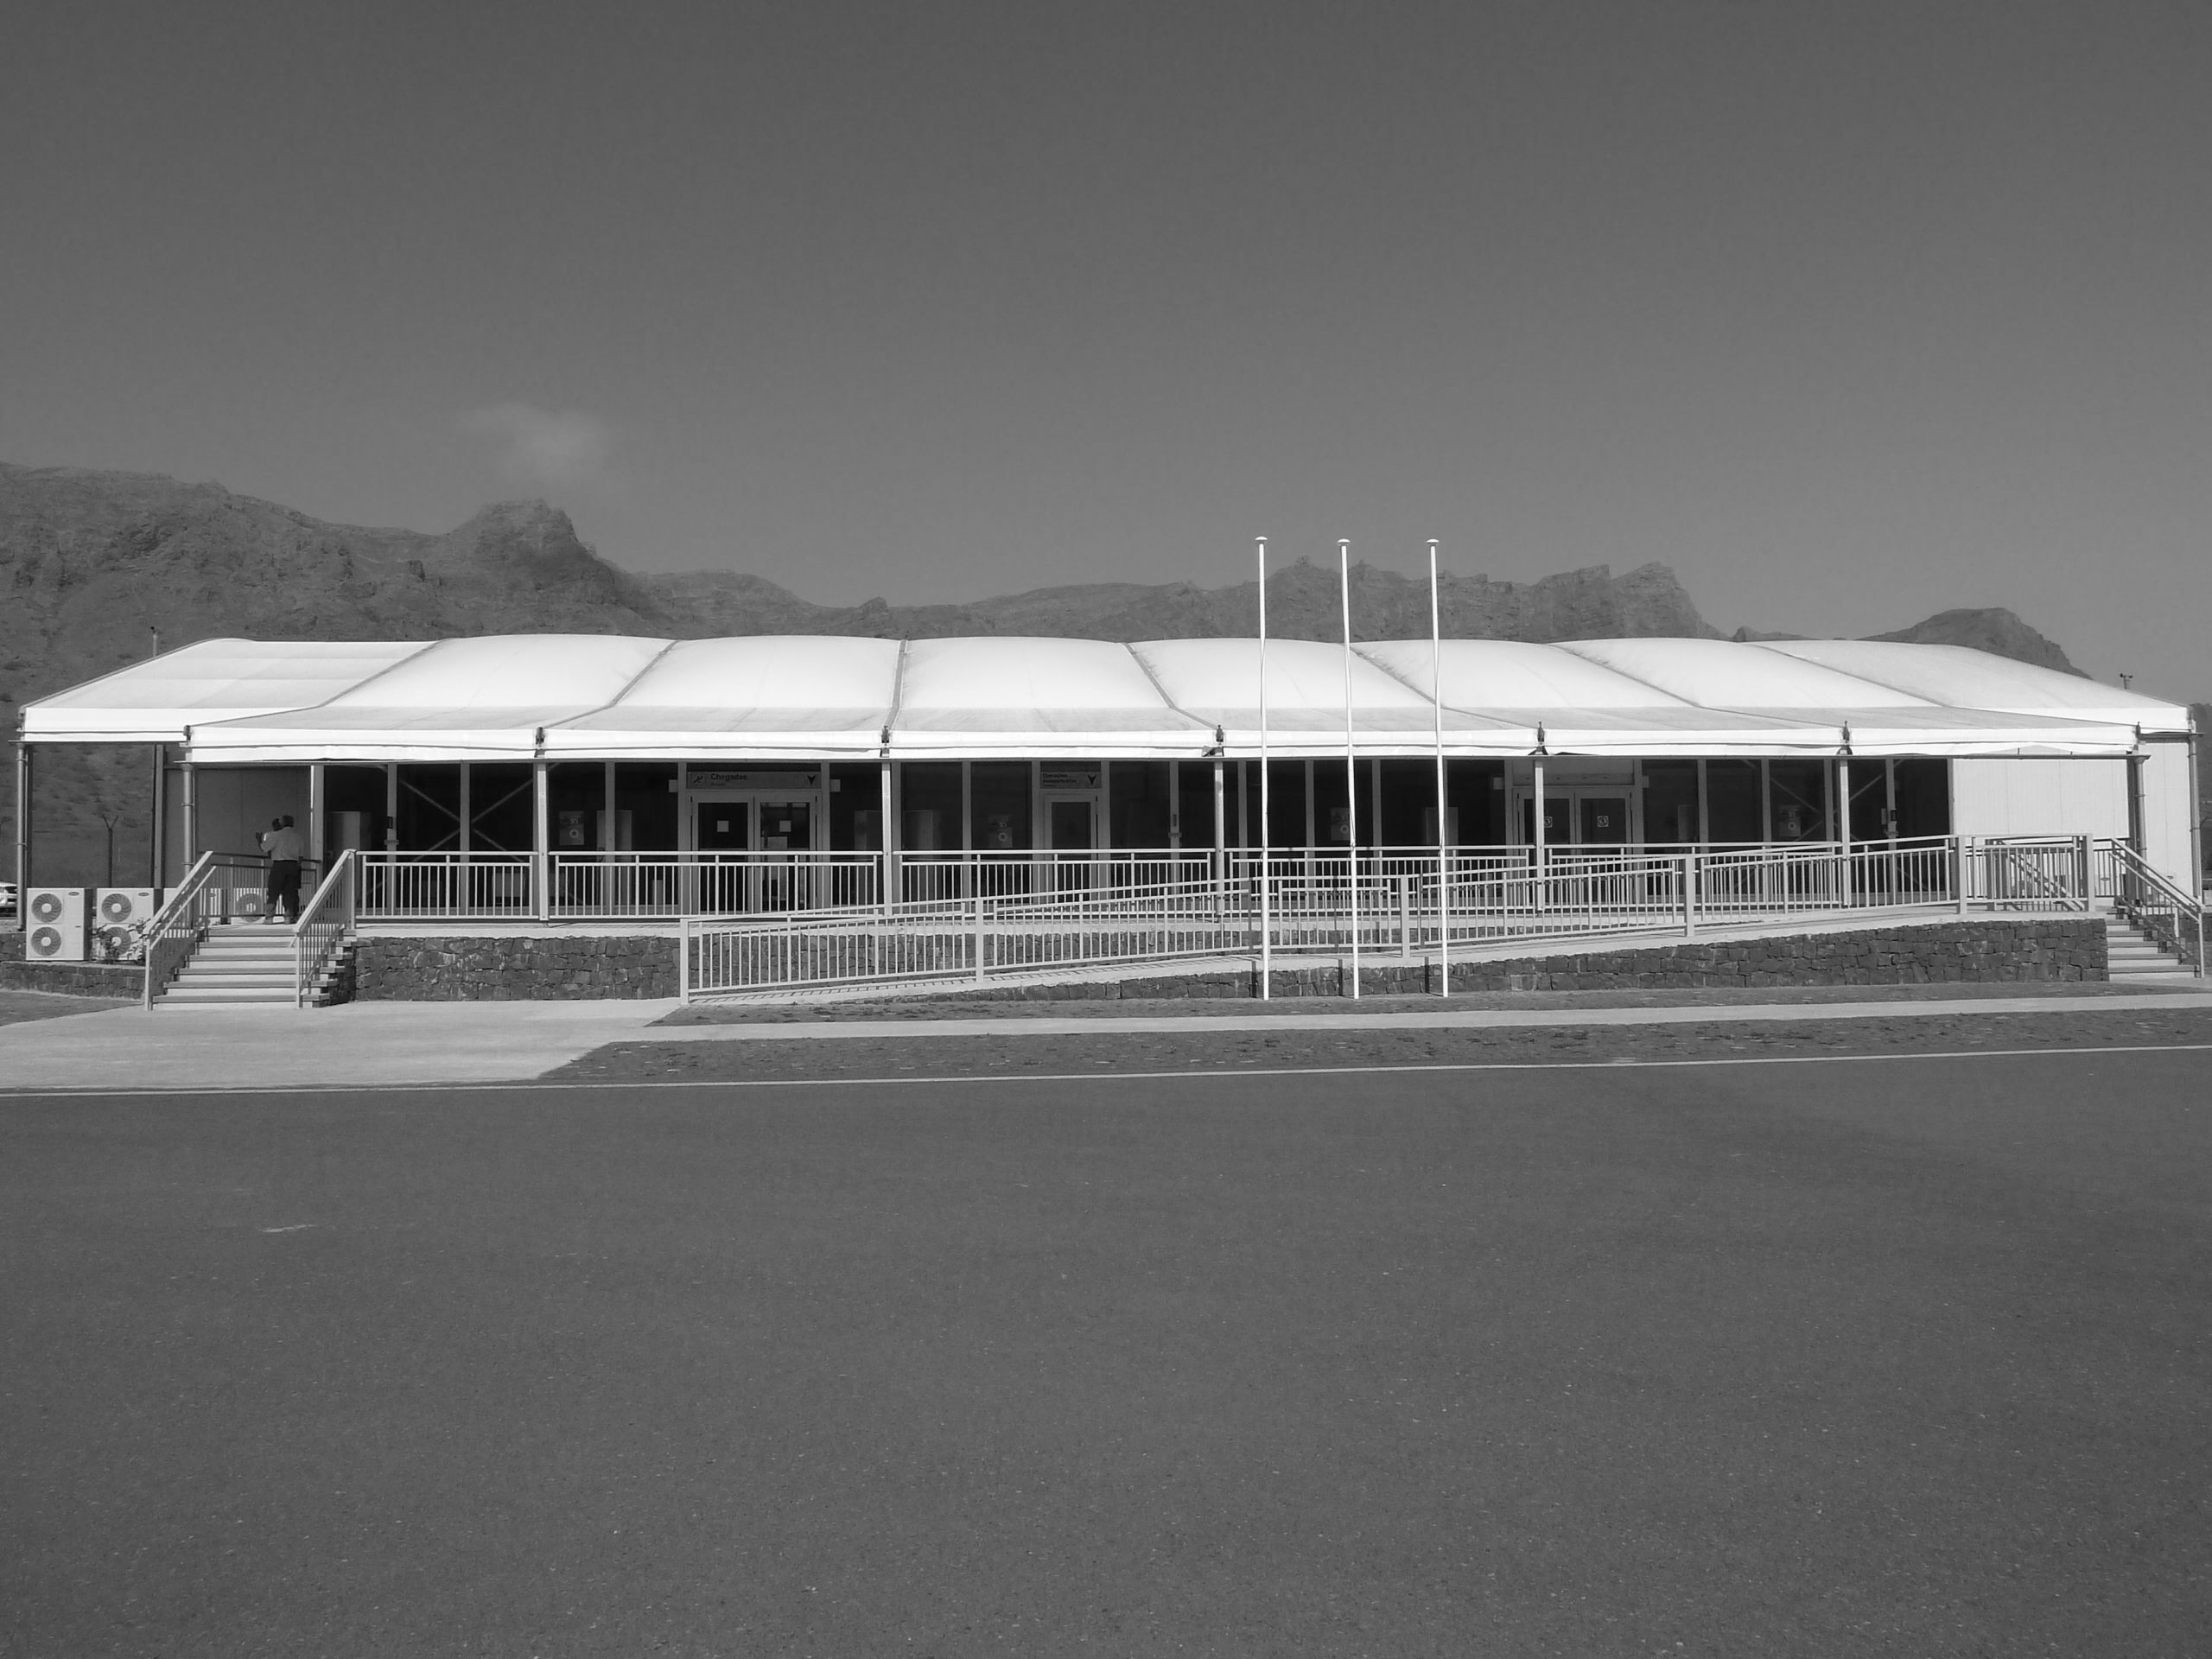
1537,821
22,835
1689,895
1958,872
1443,796
978,902
157,866
967,825
191,814
1840,820
1352,772
541,838
1266,824
884,833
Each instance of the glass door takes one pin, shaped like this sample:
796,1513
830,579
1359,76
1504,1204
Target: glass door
721,826
785,827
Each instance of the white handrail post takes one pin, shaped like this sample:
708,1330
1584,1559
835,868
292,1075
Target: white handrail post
1689,895
979,937
1959,871
684,958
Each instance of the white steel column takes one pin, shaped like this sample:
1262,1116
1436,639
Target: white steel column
1443,799
1220,820
24,781
158,865
887,835
1352,770
541,840
1174,806
1266,871
392,803
315,782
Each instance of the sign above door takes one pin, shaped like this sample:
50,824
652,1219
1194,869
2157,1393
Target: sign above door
714,778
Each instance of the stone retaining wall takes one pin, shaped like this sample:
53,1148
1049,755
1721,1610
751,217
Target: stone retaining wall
1980,950
69,978
524,968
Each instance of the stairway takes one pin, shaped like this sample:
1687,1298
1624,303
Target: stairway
245,963
2133,958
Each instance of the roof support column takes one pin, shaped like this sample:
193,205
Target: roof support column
541,862
887,832
157,866
22,836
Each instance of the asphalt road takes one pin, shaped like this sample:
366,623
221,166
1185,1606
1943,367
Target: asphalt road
1901,1355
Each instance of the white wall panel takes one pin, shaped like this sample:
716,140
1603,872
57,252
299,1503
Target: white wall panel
2039,798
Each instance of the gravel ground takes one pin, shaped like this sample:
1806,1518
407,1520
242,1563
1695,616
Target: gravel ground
1016,1054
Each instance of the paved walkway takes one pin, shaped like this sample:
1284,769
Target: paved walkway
412,1043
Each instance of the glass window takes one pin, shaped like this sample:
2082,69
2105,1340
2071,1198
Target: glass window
1732,803
430,807
929,806
1137,793
1000,805
1797,799
1923,798
1670,802
1286,803
1194,805
645,806
502,807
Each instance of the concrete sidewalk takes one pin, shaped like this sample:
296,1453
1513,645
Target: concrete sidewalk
400,1043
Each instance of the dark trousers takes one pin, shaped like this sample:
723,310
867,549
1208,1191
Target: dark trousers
284,886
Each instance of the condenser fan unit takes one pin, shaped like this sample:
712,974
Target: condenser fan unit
47,907
116,907
45,941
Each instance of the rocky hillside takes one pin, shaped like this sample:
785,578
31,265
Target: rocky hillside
93,563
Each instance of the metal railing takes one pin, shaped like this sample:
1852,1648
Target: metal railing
2172,918
1088,913
206,895
326,923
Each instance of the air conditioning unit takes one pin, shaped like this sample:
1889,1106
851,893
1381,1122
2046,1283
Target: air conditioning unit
56,920
125,906
118,914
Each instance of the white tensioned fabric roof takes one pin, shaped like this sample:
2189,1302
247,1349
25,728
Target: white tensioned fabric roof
1872,716
613,695
762,693
1584,707
461,699
153,701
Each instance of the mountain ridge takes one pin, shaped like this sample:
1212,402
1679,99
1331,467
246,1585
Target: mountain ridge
93,562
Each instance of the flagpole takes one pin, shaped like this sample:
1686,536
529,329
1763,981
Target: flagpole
1443,805
1266,868
1352,768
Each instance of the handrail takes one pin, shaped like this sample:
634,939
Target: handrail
166,931
176,928
323,927
2167,903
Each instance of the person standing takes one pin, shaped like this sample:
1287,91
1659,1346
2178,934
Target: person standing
285,847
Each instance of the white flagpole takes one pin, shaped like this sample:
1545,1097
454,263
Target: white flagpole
1267,862
1352,768
1443,803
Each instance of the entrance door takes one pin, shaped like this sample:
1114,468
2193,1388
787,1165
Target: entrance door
785,827
722,827
1071,824
1603,819
1580,817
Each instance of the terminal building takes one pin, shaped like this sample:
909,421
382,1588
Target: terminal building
543,779
596,744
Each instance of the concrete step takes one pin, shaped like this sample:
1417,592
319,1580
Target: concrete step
234,982
230,995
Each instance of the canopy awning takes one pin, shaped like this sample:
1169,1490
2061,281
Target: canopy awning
615,697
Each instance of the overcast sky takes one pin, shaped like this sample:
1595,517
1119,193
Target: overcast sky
1848,312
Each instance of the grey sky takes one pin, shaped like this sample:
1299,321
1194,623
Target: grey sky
1849,312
